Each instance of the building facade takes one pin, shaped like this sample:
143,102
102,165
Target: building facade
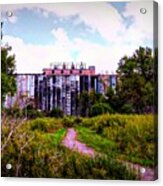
59,88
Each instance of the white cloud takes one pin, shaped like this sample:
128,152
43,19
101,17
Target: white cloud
96,15
100,17
142,27
61,36
33,58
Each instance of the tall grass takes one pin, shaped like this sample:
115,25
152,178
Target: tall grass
135,135
35,150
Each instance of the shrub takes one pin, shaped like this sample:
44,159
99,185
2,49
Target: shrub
100,108
32,113
39,124
56,112
14,112
127,108
78,120
133,136
68,121
100,167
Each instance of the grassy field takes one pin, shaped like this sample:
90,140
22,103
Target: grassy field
35,149
128,137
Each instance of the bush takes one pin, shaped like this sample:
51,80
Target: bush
56,112
133,135
68,121
14,112
39,124
32,113
127,108
100,108
78,120
100,167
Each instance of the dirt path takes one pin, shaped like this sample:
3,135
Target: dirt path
72,143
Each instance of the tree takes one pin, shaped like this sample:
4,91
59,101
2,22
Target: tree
87,99
8,81
136,80
56,112
83,103
112,99
100,108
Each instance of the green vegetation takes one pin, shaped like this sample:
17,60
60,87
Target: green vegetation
134,136
32,140
100,108
8,82
136,79
56,112
35,149
56,138
96,141
134,91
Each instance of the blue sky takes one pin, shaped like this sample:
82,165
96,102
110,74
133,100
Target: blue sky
31,26
71,29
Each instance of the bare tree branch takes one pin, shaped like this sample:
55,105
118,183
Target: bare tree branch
12,130
18,166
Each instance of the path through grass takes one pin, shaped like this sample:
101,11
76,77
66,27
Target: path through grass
99,143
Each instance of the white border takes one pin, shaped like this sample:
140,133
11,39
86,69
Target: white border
43,182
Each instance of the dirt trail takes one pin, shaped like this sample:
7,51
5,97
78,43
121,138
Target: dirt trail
72,143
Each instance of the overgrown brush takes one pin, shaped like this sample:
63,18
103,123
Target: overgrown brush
46,124
34,147
71,121
37,153
135,135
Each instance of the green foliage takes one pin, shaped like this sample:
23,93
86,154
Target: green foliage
56,112
78,120
96,141
68,121
133,134
100,108
86,100
56,138
46,124
83,101
71,121
127,108
36,153
112,98
30,113
39,124
8,82
77,166
14,112
136,81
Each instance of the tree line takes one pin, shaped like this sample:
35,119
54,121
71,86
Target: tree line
135,92
136,89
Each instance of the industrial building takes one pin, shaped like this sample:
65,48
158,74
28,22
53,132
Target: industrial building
59,87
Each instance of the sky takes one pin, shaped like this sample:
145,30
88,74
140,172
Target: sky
99,33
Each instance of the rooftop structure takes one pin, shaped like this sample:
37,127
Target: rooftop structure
59,87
